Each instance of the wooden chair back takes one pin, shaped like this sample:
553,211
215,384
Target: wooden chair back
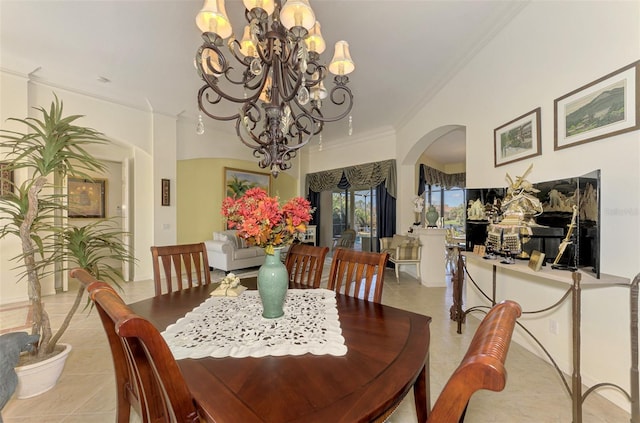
305,263
188,264
147,376
358,273
482,366
347,239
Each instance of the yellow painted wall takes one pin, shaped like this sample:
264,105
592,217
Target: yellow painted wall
200,191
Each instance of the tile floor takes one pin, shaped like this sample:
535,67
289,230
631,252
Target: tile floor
534,393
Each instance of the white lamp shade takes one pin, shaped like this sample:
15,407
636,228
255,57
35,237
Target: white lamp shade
266,5
213,18
341,64
297,13
247,46
314,40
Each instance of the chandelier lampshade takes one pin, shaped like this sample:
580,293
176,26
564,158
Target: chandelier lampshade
272,78
314,40
341,64
266,5
213,18
296,13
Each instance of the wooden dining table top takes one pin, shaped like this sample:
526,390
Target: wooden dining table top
388,351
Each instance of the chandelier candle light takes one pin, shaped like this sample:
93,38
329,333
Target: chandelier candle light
276,78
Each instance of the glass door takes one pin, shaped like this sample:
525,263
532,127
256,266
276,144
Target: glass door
356,209
364,210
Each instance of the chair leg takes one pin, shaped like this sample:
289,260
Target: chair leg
398,272
418,270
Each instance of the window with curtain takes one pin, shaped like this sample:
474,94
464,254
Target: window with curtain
446,193
450,204
363,199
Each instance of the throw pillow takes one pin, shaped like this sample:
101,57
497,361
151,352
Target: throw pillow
397,241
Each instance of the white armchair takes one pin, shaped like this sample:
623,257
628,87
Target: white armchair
402,250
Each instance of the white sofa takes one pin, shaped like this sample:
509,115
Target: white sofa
228,252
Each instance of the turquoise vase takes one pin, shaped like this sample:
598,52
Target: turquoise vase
273,282
432,217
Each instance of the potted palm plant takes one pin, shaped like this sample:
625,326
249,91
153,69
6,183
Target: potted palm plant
51,149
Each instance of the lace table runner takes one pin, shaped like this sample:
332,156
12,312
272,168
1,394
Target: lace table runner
234,327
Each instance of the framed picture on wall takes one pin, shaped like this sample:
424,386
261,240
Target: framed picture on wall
166,192
86,197
605,107
238,181
6,179
518,139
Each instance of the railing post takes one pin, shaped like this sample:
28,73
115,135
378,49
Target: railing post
635,406
576,378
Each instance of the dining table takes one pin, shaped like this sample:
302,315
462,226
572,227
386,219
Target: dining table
387,354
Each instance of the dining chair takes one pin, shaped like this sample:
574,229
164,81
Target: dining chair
347,239
358,273
483,365
148,378
305,264
187,263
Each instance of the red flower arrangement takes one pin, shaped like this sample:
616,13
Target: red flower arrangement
261,221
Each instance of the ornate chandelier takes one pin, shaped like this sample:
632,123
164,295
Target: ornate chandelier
276,77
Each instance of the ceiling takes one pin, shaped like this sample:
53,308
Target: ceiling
140,53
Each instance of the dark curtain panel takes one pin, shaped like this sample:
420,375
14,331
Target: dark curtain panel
344,182
386,211
314,199
422,181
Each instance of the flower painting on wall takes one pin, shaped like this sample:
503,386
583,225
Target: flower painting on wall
238,181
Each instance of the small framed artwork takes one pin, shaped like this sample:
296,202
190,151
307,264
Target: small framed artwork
166,192
238,181
517,140
6,179
603,108
86,197
536,260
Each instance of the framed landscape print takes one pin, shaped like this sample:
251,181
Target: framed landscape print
238,181
605,107
518,139
86,197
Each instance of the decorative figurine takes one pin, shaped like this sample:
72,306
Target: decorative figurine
520,206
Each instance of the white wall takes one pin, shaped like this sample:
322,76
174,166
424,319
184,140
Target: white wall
548,50
13,103
164,167
357,149
136,134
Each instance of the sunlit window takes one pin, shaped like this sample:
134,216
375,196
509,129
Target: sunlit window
450,204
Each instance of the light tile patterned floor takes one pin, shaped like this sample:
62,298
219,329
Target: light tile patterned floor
534,393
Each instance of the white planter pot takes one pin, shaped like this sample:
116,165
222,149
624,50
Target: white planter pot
35,379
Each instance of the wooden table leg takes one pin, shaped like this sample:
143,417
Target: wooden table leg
422,393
